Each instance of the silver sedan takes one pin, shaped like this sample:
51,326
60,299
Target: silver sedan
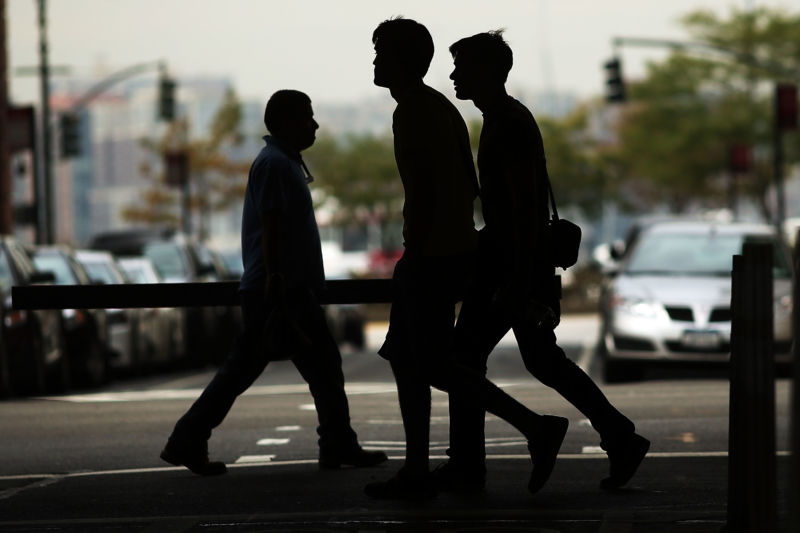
668,298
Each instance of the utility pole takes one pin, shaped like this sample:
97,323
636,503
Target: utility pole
46,211
6,219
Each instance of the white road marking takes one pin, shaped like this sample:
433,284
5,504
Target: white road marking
272,442
352,389
13,491
592,449
307,407
254,459
287,428
584,422
52,478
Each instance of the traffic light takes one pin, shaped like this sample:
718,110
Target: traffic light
786,106
166,98
615,86
69,125
741,157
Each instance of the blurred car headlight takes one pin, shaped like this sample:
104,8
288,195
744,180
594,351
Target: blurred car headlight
639,307
73,317
15,318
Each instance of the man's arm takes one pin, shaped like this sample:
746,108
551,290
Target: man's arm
273,246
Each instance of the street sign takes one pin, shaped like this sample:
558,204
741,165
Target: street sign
176,168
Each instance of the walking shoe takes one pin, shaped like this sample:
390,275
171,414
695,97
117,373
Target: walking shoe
624,459
403,486
451,477
551,431
356,456
194,458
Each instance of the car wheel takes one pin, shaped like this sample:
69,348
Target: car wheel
5,380
353,331
616,371
58,378
28,376
95,365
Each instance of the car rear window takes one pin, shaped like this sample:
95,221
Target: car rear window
168,260
58,266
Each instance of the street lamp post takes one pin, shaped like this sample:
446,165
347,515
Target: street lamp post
45,235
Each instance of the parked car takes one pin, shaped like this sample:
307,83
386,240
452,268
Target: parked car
160,328
85,331
668,299
178,259
123,324
36,358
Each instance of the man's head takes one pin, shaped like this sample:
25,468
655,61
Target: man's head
403,52
481,61
290,118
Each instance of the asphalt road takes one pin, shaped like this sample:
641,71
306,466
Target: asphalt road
89,461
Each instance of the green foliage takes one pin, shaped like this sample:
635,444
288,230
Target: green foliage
359,175
676,133
216,181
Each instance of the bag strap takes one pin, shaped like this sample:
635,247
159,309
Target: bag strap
552,197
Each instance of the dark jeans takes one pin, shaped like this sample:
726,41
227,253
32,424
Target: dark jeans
321,367
419,348
478,331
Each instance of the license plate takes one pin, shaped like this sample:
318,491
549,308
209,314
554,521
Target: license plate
702,340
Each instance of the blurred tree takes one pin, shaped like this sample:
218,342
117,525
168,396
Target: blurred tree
676,133
216,180
357,176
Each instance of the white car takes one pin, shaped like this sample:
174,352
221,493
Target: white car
669,297
161,328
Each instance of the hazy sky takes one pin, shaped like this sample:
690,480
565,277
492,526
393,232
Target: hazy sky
324,46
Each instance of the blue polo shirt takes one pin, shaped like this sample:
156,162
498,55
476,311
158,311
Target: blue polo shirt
277,182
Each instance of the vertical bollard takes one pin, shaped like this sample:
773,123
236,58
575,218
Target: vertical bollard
794,470
752,486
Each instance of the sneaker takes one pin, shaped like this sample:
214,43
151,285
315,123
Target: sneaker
450,477
193,458
551,431
357,456
624,459
403,486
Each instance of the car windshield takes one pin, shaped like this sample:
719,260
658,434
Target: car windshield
695,254
58,266
168,260
6,279
103,272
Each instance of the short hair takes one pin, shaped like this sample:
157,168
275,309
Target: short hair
409,39
489,50
284,107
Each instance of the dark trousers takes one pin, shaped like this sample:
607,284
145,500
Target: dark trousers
321,367
480,327
419,347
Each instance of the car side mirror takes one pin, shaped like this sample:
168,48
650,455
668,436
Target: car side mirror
206,270
617,250
42,276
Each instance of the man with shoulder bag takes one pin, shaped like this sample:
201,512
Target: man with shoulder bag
517,288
